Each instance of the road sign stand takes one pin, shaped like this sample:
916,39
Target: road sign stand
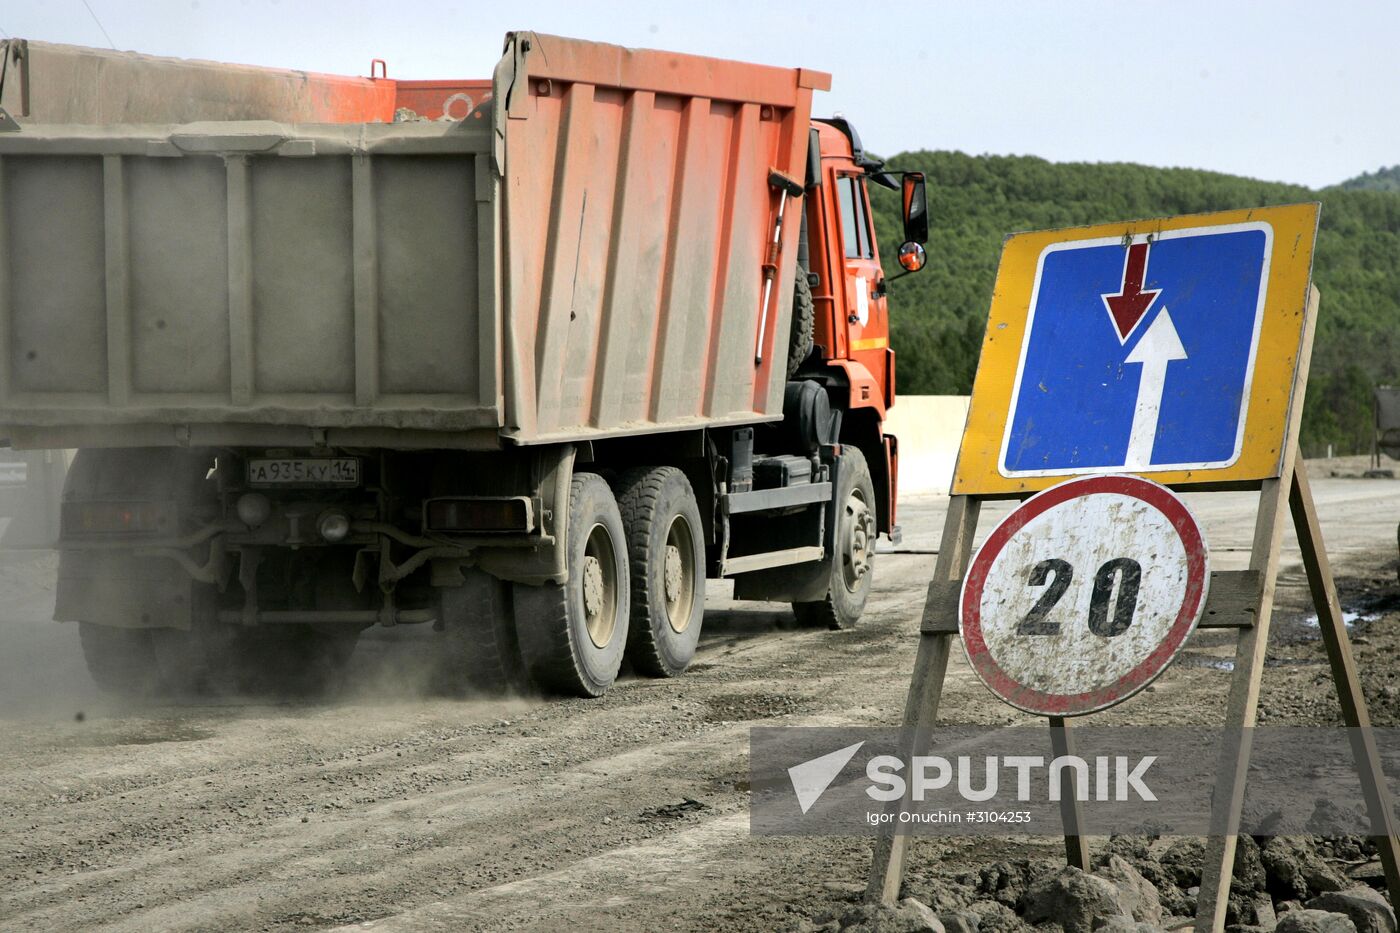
1071,815
1343,664
1241,600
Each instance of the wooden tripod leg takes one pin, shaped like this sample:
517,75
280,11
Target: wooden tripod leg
1353,701
1240,709
926,685
1071,814
1243,701
891,847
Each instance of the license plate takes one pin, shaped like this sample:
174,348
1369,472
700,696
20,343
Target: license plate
304,471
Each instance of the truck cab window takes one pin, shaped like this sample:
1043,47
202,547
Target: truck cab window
855,229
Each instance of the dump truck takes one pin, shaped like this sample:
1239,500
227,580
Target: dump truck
526,360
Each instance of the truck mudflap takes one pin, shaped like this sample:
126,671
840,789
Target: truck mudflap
124,559
553,470
123,590
891,494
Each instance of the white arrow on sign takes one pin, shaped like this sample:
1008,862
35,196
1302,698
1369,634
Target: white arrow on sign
1157,348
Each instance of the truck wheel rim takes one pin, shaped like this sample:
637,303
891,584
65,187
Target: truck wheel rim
678,572
599,586
859,543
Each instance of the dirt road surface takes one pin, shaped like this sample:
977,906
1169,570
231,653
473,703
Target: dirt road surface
387,809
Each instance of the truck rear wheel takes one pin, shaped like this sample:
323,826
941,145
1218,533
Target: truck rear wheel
481,651
667,559
572,635
158,661
852,562
122,661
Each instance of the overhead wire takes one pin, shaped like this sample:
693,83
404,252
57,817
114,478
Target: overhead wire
99,25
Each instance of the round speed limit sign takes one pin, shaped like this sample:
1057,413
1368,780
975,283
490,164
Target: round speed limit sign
1084,594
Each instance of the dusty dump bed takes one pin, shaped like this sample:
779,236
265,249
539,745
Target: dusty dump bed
41,82
583,257
49,83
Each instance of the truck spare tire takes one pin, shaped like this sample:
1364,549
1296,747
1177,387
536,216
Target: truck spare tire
804,321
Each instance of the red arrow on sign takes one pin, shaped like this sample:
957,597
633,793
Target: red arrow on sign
1128,306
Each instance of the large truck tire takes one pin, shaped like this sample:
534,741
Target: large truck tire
573,635
122,661
852,561
666,554
160,662
481,653
804,323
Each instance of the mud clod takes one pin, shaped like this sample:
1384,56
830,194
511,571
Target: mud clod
908,916
1367,909
1080,902
1137,895
1296,872
1314,921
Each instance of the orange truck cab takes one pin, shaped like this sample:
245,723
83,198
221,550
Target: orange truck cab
850,360
849,291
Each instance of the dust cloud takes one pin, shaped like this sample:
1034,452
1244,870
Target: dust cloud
42,673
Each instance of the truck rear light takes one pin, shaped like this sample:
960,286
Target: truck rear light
118,518
479,514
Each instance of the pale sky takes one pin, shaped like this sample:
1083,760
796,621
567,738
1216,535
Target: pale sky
1297,90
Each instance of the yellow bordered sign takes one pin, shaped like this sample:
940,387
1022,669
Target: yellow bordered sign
1166,348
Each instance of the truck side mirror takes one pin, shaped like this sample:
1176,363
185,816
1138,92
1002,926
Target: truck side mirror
915,208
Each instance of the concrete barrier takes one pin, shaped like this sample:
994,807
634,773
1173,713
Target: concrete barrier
929,428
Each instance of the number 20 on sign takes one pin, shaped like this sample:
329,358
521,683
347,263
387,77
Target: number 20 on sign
1084,594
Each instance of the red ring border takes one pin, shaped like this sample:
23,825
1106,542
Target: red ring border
1077,704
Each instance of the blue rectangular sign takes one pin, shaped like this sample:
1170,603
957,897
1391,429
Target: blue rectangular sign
1139,353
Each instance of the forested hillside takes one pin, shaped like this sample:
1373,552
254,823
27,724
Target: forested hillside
1386,179
939,314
